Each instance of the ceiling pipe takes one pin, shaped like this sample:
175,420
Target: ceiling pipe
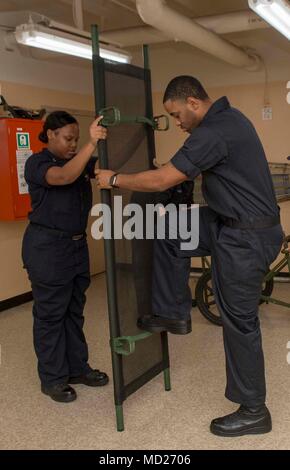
232,22
78,14
126,7
220,24
134,36
156,13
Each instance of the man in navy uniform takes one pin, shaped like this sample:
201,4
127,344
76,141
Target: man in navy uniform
240,228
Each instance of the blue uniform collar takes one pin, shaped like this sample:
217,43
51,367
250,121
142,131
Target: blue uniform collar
53,157
219,105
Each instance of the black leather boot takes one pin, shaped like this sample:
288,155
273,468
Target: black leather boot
156,324
94,378
60,392
245,420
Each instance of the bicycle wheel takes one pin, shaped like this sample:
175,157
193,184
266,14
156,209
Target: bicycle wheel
267,289
205,298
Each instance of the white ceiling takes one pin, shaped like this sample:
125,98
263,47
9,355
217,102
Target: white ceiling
109,15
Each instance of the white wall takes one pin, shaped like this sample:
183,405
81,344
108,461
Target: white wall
63,82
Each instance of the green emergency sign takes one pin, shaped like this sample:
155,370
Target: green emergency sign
23,141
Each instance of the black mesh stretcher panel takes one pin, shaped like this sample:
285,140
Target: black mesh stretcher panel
129,152
129,149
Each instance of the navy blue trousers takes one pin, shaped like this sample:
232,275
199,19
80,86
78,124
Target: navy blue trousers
58,269
240,259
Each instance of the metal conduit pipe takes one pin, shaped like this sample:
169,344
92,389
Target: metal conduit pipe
78,15
156,13
220,24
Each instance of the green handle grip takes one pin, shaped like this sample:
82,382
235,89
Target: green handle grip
112,117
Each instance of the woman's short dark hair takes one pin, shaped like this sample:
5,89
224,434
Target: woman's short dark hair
183,87
56,120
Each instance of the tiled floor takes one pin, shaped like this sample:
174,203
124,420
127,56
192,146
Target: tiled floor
154,419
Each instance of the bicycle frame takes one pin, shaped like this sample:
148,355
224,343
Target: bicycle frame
284,262
275,270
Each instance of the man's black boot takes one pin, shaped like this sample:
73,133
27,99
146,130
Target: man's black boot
246,420
94,378
156,324
60,392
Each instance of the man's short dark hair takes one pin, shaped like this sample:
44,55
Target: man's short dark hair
183,87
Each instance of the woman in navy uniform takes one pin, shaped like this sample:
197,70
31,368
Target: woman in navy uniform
55,254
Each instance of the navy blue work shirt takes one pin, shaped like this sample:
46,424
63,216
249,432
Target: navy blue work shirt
227,151
64,208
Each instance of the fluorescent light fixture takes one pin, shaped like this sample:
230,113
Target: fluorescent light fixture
35,35
275,12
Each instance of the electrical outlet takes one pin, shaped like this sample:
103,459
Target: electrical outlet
267,113
288,94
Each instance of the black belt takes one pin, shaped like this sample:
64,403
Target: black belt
59,233
251,222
